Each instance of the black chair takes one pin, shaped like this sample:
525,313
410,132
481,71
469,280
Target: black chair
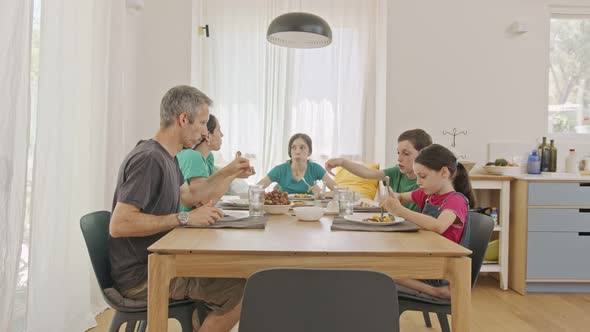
295,300
95,229
475,237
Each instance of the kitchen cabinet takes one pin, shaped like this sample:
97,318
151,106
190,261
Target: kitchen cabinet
550,235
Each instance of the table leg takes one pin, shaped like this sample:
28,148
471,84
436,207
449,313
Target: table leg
459,277
160,272
504,234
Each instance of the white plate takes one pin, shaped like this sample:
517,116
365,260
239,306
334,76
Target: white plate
307,198
235,215
359,218
236,202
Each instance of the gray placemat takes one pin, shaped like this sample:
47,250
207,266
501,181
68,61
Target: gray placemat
248,223
341,224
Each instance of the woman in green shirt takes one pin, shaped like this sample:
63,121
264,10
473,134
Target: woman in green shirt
401,177
198,164
298,175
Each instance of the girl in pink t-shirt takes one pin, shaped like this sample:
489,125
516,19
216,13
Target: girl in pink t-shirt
444,196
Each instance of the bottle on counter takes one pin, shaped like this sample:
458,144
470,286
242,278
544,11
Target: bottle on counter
571,162
533,165
553,157
494,215
544,152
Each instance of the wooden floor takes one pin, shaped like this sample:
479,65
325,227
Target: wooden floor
493,310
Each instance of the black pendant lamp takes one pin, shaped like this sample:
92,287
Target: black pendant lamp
299,30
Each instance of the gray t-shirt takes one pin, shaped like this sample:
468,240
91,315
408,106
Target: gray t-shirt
149,179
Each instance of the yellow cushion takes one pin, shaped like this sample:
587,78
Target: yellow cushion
492,251
365,187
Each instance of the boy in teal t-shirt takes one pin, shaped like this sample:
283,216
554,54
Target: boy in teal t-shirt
198,164
194,165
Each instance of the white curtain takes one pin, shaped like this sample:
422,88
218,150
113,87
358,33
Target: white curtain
80,143
15,34
264,93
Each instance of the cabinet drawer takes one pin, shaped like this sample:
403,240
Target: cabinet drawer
553,255
559,220
559,193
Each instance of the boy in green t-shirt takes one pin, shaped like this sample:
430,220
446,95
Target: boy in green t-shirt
401,177
198,165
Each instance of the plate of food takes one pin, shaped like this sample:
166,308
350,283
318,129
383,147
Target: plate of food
307,197
374,219
365,202
276,202
366,205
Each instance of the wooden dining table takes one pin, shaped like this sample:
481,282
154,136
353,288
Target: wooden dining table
288,243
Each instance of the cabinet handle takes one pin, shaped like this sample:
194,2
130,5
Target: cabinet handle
585,184
584,233
584,210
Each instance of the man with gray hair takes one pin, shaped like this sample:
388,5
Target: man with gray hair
150,188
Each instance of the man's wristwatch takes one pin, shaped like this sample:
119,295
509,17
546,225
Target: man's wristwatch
182,218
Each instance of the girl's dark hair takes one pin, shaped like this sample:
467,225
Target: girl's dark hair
304,137
212,124
418,137
436,157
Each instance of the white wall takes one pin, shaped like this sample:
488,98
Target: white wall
163,55
450,63
455,63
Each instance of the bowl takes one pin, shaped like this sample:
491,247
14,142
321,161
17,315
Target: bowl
467,164
276,209
502,170
309,213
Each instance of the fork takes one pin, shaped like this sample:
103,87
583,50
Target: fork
308,186
387,188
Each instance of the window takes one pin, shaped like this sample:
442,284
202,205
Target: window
569,74
263,93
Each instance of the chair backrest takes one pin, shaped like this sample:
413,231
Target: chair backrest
480,230
95,229
311,300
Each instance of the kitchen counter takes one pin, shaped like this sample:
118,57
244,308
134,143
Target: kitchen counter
489,177
560,177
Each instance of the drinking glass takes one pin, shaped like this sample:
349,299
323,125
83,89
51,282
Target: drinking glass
256,200
346,202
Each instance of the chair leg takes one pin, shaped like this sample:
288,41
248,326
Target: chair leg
444,322
131,326
184,315
426,316
116,322
142,325
202,310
